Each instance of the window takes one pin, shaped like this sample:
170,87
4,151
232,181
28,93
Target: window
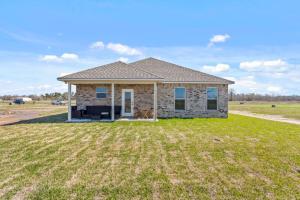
179,98
101,93
212,98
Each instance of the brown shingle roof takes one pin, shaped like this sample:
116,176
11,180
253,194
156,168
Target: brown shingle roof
175,73
116,70
147,69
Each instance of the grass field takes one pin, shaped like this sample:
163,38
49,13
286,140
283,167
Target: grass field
285,109
13,113
235,158
38,105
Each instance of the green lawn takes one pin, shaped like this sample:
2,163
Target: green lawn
235,158
285,109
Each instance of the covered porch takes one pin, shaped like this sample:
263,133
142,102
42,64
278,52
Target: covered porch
113,100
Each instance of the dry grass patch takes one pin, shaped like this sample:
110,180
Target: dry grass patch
285,109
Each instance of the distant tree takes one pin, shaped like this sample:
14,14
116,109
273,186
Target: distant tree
231,94
65,96
35,97
259,97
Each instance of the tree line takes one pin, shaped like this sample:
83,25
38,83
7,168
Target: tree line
233,96
46,96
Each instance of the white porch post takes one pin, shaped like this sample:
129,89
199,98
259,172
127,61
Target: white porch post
69,102
112,102
155,102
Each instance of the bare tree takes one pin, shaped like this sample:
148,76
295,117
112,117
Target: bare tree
231,94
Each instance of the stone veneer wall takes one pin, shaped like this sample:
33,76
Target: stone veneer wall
86,96
196,103
143,96
143,99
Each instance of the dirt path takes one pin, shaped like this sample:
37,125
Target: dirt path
277,118
17,115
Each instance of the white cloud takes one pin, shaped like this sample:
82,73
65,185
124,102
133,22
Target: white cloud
248,84
123,49
294,76
64,74
216,69
123,59
97,45
44,86
69,56
230,78
244,84
63,57
218,39
274,89
264,65
5,81
51,58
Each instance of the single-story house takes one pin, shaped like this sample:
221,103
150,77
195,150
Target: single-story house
146,89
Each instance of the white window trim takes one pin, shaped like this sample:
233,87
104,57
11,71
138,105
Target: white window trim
180,99
217,99
102,93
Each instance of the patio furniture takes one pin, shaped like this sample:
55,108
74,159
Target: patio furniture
118,111
147,114
143,114
107,114
95,112
75,113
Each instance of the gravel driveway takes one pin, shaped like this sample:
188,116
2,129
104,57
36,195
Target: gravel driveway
277,118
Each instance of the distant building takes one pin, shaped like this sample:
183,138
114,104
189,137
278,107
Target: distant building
25,99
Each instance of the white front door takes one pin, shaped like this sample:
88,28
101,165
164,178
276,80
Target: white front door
127,102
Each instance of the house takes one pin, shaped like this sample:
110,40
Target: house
146,89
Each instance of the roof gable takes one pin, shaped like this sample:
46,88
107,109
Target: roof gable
116,70
176,73
146,69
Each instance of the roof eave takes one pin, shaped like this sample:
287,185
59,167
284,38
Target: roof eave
158,80
69,80
201,82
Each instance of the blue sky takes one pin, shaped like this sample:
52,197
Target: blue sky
255,43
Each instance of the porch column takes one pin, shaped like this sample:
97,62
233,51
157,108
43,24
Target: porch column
69,102
112,102
155,102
